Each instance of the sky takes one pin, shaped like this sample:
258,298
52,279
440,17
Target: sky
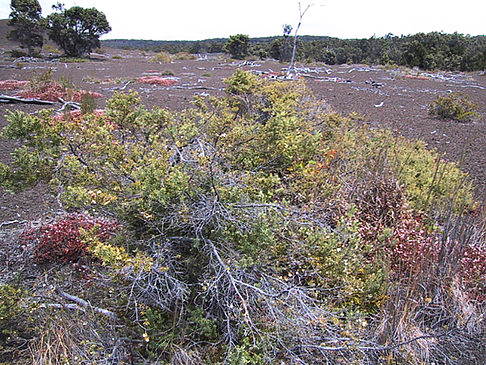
205,19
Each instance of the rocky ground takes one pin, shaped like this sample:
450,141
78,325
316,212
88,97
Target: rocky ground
386,97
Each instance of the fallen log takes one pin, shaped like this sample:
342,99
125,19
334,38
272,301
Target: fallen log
14,100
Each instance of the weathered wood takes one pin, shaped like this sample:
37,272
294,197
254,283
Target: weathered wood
15,100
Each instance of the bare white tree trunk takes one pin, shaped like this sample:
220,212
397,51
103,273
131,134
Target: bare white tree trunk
294,49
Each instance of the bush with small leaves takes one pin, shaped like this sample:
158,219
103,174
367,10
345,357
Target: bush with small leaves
244,220
455,106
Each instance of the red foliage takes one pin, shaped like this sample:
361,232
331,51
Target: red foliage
53,91
76,114
156,80
414,248
12,84
61,241
472,271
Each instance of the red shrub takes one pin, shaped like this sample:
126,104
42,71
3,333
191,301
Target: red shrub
472,271
53,91
76,114
61,241
413,247
12,84
156,80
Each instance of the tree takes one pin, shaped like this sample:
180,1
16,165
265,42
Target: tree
238,46
28,24
77,30
294,49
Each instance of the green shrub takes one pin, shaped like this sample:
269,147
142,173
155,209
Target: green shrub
162,57
260,220
9,303
455,106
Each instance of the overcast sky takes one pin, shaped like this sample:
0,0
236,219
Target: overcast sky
203,19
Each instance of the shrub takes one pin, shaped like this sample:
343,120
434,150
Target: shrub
455,106
9,303
12,84
156,80
61,241
185,56
244,220
43,87
162,57
88,103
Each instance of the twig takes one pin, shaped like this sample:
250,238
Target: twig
8,223
84,303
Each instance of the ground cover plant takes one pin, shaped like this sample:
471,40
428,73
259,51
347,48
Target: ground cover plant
454,107
258,227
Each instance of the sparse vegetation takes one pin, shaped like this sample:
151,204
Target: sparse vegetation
257,228
455,106
162,57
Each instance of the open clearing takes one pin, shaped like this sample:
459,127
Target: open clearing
395,98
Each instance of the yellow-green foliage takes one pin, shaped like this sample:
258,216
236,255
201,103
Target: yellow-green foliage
114,256
185,56
454,106
241,211
9,303
162,57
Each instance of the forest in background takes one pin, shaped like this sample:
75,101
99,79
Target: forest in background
428,51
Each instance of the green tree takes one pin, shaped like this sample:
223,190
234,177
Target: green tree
238,46
77,30
28,24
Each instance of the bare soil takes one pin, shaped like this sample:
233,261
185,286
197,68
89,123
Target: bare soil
386,97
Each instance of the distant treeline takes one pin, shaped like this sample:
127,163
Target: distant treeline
427,51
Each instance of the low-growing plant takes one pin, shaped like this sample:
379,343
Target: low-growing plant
48,48
73,60
185,56
162,57
9,303
117,57
88,104
455,106
263,228
61,241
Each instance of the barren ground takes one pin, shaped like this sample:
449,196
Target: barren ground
346,89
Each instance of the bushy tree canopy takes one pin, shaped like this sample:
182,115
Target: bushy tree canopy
28,24
77,30
238,46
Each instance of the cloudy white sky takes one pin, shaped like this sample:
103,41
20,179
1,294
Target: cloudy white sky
203,19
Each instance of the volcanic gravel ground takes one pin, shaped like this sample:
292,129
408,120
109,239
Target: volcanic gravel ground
392,98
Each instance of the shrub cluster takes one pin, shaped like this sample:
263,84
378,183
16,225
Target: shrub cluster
262,228
156,80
